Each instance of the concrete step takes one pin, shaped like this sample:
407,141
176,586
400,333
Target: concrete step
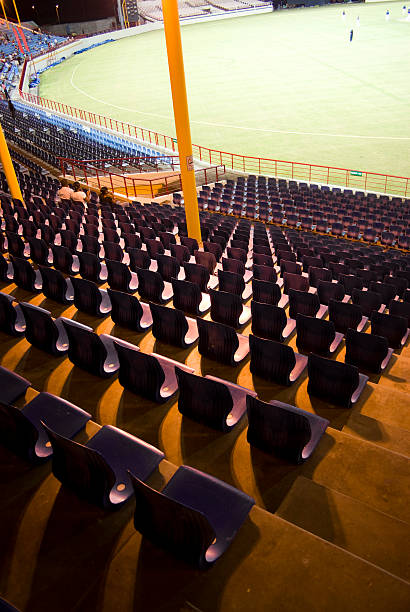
354,526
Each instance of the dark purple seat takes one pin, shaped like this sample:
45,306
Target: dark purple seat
154,247
64,260
90,244
55,286
290,267
334,382
221,343
345,316
265,273
338,269
151,376
89,298
112,251
167,238
230,282
367,351
275,361
111,235
227,308
40,252
196,273
206,259
47,234
212,401
268,293
132,241
283,430
12,386
16,246
89,351
262,260
42,331
350,282
393,327
235,253
168,267
270,321
188,297
128,311
25,276
400,309
139,259
190,243
151,287
181,252
69,240
12,320
316,336
213,247
195,517
302,302
21,430
294,281
326,291
237,266
172,327
98,470
91,229
91,268
401,284
368,301
120,278
387,292
319,274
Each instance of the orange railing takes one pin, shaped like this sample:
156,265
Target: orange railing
344,177
133,186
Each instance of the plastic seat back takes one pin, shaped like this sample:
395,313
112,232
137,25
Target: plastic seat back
268,321
226,308
366,351
169,325
271,360
217,341
302,302
332,381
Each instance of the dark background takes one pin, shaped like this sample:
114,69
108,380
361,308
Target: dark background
70,10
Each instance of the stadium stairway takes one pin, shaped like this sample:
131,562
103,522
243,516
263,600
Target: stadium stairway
328,534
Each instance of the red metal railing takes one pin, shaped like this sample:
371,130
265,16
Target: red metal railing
132,160
344,177
132,186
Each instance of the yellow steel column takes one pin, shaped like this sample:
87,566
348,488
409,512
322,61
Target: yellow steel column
17,13
8,167
4,13
179,99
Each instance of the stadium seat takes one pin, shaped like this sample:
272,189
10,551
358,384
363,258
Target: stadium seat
275,361
212,401
98,470
283,430
21,430
195,517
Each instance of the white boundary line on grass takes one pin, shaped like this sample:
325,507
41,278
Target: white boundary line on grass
229,126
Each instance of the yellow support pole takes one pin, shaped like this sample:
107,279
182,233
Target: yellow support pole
17,13
4,13
8,167
179,99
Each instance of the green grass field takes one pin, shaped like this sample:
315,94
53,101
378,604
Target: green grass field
287,85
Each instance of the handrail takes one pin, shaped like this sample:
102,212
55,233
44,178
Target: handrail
330,175
132,186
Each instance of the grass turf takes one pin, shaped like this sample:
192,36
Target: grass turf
287,85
